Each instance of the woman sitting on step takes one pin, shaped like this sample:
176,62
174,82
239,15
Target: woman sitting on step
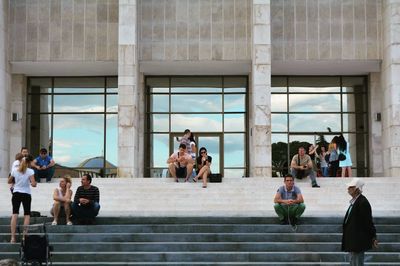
203,166
62,200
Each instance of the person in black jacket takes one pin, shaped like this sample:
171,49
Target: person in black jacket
359,233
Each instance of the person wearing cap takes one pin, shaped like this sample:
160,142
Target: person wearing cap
359,233
289,202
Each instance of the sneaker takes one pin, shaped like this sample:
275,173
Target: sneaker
316,185
69,223
54,223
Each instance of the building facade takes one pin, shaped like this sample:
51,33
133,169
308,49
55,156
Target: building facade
108,85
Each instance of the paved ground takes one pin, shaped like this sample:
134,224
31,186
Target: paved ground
232,197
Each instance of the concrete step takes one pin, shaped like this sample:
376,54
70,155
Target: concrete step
157,197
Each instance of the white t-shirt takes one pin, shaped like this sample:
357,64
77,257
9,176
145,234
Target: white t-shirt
15,164
22,181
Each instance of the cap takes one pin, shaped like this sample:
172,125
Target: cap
356,182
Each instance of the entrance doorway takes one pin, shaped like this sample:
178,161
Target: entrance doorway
211,141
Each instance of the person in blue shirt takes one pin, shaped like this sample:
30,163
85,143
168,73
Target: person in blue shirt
289,202
43,166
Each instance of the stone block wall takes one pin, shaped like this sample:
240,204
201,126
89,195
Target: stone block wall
5,93
194,30
326,29
61,30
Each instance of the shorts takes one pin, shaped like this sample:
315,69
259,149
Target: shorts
181,172
26,200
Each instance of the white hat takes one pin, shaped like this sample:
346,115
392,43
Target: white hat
356,182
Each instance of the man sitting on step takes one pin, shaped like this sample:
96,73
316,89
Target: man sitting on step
86,201
289,202
180,164
302,166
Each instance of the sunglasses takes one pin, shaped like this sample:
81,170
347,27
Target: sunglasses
202,152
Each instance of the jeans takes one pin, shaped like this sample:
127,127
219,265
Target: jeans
308,172
85,212
325,171
46,173
293,211
356,258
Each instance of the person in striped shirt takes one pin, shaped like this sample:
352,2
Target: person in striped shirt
86,203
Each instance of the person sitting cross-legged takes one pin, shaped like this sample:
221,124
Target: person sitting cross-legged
62,200
43,166
86,201
180,164
289,202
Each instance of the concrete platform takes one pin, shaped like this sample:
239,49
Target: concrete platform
141,197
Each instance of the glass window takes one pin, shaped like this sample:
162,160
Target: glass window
75,123
81,104
314,84
234,102
234,150
77,138
160,122
279,84
160,103
314,103
196,103
160,150
279,122
234,122
196,122
278,102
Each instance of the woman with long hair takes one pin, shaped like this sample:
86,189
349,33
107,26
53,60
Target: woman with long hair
62,199
24,178
203,166
344,148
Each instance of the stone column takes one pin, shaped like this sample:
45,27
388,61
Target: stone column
375,127
5,92
260,93
18,105
391,88
128,113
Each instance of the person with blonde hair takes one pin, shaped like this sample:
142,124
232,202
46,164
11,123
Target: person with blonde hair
24,178
62,200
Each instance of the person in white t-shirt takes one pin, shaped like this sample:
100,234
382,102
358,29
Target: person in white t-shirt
15,165
23,178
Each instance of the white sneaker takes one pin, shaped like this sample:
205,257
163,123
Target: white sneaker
69,223
54,223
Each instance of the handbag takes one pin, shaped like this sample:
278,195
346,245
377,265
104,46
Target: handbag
342,157
215,178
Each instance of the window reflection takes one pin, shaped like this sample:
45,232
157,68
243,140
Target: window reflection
76,138
82,104
314,122
278,102
314,103
279,122
160,103
196,123
160,150
196,103
234,103
234,150
160,122
234,122
39,132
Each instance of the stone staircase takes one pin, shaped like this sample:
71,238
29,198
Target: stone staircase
206,241
234,197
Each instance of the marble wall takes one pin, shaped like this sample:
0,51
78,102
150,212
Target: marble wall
260,94
390,82
194,29
128,92
59,30
326,29
375,127
5,93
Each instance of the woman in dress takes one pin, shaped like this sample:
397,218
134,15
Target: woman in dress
62,199
23,178
344,148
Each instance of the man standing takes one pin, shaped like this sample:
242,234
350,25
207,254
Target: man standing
301,166
43,166
86,203
359,233
289,202
180,164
